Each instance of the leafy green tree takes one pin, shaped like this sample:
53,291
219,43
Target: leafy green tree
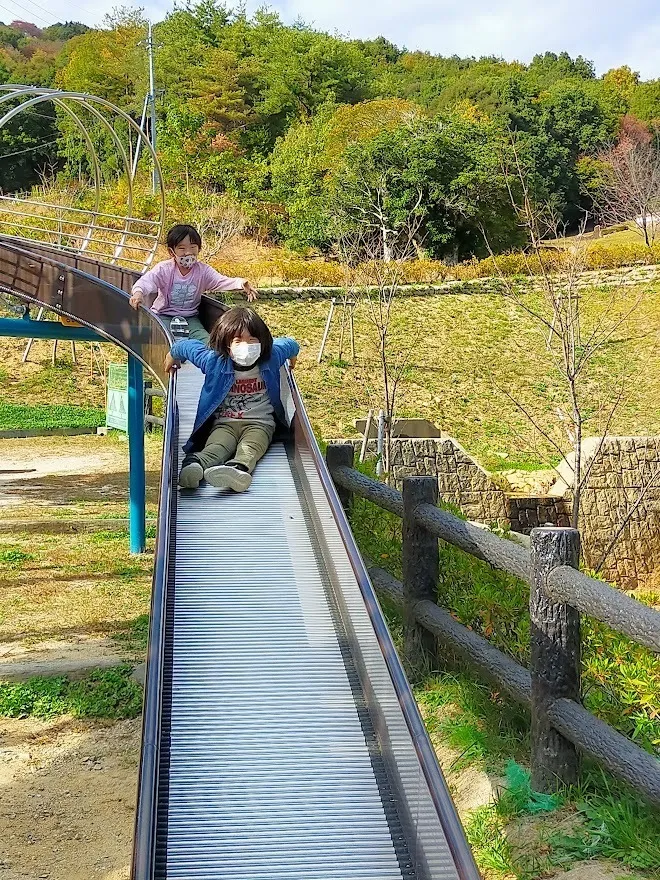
63,31
28,148
645,101
623,82
11,37
546,69
312,153
445,169
109,63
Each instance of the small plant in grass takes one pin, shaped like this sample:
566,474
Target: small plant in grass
486,834
134,639
615,824
107,693
14,557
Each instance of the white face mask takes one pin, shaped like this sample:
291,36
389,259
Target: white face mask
245,353
187,262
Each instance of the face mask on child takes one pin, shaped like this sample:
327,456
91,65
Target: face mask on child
245,353
187,262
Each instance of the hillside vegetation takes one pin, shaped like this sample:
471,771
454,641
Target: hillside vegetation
470,354
294,127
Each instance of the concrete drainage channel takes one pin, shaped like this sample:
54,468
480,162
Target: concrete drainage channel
21,434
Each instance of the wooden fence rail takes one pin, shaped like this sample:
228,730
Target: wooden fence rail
561,727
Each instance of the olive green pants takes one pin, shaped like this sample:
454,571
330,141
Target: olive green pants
196,329
241,443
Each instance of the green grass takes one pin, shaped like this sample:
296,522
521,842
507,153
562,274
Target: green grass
55,585
473,720
614,824
468,356
21,417
133,640
483,729
14,557
101,694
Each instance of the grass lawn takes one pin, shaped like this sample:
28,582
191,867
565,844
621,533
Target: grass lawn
53,586
17,416
468,356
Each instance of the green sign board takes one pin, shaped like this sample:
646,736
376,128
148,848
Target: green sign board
116,408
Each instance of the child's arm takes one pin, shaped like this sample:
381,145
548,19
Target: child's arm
284,347
194,351
215,282
147,286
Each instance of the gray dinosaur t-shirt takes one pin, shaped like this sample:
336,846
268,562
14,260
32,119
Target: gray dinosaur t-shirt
247,400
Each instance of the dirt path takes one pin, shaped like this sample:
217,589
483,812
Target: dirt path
67,799
70,475
67,788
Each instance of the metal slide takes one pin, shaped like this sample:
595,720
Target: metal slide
280,737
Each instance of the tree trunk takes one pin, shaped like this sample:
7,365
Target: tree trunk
577,464
387,253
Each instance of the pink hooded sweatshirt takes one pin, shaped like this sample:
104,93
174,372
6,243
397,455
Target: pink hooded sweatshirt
177,294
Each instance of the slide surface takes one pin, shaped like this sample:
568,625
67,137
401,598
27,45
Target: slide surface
280,738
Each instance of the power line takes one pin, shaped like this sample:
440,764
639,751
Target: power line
14,14
42,8
28,149
48,12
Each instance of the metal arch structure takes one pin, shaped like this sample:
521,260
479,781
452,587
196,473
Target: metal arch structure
112,238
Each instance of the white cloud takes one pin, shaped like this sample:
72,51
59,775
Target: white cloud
611,33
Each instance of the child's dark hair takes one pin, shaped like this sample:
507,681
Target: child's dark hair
234,323
177,233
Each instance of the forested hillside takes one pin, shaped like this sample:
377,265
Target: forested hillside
295,124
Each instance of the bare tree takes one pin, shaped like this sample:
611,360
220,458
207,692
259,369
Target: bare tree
219,222
630,189
576,334
384,237
373,254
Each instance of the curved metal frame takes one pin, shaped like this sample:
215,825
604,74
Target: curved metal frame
97,232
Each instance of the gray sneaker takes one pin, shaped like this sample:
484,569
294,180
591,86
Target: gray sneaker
191,475
225,477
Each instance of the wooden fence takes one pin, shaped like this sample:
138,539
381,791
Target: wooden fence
561,727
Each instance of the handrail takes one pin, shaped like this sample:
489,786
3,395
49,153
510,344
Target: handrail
43,279
442,800
145,816
596,598
551,687
623,613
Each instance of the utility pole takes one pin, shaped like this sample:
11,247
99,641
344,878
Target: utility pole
152,104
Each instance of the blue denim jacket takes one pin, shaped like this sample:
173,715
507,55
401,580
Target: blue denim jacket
219,377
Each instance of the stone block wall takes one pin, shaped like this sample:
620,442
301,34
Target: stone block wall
624,483
624,478
461,480
526,513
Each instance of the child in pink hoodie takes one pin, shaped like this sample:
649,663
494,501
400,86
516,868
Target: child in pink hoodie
178,283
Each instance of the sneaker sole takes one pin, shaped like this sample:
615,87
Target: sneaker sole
191,476
224,477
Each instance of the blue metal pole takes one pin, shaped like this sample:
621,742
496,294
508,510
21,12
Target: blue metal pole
29,329
136,475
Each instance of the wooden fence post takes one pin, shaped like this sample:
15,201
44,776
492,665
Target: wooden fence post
420,574
555,659
341,455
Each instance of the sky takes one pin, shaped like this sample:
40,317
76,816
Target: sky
608,32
